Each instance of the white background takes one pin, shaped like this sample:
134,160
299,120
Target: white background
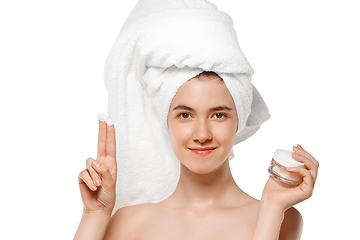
306,60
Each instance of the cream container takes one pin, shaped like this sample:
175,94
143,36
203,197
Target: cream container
280,161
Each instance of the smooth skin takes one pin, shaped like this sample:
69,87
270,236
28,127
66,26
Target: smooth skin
207,203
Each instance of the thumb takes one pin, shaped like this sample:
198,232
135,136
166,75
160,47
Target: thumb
107,179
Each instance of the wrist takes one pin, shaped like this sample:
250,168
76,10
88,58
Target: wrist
103,214
93,225
271,207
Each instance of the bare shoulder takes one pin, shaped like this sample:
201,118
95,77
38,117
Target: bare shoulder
292,225
126,221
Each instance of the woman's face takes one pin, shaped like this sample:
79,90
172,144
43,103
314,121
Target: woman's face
202,121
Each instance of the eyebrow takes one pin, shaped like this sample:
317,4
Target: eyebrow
218,108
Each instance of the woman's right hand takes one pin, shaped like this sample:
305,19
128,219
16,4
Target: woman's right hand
97,182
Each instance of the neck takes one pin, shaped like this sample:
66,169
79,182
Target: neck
213,189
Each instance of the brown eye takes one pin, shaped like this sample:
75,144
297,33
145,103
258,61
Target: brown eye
219,115
184,115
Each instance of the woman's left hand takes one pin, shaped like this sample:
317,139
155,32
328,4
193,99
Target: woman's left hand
283,196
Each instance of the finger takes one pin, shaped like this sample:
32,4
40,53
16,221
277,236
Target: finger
307,162
104,172
93,174
110,141
84,177
308,182
315,164
101,139
300,150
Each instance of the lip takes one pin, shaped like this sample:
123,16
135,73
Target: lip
202,151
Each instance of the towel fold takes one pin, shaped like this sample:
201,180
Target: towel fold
162,45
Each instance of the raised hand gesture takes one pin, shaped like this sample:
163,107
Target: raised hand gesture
97,182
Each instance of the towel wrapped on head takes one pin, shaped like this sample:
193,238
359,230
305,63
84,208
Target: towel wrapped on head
162,45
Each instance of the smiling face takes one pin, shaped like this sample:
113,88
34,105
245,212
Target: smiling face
202,121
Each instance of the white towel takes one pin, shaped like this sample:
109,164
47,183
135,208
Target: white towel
163,44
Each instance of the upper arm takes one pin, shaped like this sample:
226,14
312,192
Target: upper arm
292,225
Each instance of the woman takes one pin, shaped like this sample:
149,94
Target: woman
147,77
207,203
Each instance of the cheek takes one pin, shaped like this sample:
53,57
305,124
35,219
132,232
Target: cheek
226,134
179,135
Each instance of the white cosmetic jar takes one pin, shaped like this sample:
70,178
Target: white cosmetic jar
280,161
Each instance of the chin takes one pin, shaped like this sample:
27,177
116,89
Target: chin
201,170
203,167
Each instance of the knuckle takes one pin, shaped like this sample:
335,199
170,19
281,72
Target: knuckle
89,161
83,176
90,169
309,194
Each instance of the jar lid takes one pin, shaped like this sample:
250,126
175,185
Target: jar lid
284,158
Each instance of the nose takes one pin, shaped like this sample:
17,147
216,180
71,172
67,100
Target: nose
202,132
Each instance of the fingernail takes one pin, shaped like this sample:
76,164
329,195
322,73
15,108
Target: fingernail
97,181
93,187
96,164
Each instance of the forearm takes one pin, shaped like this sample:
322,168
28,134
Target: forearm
92,226
268,222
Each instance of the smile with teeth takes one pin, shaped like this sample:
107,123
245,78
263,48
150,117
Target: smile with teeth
202,151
